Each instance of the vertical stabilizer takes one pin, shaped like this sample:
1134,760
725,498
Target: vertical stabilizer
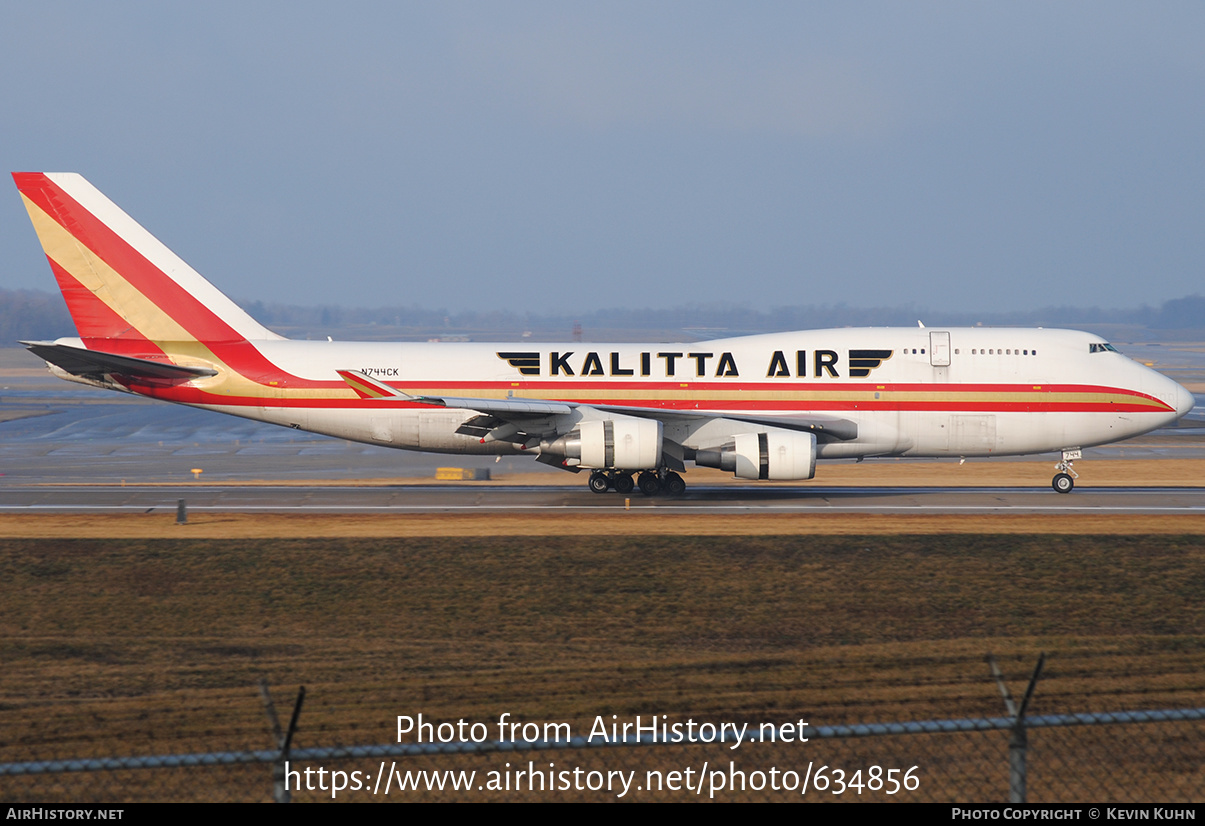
126,291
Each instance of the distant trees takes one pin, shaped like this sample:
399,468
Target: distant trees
33,314
1181,313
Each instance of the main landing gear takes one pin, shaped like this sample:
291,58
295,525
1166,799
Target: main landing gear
1064,480
650,482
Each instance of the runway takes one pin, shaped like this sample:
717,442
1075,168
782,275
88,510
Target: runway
431,499
65,449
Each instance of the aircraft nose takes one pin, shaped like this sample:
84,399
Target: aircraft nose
1184,401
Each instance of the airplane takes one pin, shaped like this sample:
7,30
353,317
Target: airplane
760,407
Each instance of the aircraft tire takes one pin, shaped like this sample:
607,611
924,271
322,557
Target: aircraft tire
1063,483
599,482
650,485
622,482
675,485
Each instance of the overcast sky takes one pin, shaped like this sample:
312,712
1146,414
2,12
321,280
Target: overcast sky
994,156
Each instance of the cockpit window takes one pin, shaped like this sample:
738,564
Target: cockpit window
1101,348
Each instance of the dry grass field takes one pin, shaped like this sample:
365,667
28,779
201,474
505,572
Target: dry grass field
617,522
154,643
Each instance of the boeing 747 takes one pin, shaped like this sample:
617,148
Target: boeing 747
760,407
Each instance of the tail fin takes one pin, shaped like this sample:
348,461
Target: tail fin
127,292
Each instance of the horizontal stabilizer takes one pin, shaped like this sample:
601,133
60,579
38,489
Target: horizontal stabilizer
81,362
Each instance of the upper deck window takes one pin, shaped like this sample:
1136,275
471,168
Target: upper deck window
1101,348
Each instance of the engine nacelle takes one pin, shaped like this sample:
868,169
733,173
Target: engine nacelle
774,455
625,443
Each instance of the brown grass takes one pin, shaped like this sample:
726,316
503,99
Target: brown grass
155,645
616,522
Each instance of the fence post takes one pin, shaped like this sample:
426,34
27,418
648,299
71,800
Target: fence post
1018,739
284,741
1018,743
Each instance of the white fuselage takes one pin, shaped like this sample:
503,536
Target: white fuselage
908,391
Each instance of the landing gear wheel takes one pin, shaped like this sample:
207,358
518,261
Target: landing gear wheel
1064,480
675,485
622,483
650,485
599,482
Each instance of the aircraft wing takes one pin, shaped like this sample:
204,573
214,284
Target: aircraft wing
497,411
94,363
826,428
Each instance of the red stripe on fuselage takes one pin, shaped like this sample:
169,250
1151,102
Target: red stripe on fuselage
190,395
552,391
564,390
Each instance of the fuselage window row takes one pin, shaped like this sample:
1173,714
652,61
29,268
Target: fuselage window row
998,352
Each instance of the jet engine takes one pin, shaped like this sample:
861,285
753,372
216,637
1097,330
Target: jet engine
621,444
775,455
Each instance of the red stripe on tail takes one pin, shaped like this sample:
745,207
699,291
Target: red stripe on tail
111,248
106,330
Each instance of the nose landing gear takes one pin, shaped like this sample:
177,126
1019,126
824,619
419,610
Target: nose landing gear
1064,480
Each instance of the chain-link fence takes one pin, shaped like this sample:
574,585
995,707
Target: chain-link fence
130,647
1137,756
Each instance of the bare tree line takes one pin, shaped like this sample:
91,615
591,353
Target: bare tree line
34,314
